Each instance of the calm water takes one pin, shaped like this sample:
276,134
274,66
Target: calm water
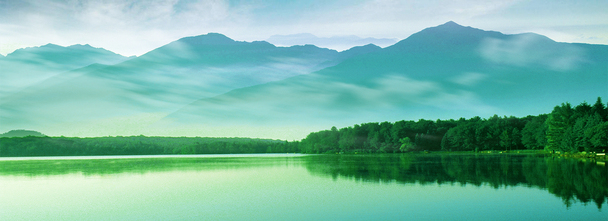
304,187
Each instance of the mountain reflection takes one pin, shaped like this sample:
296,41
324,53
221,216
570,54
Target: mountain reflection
571,180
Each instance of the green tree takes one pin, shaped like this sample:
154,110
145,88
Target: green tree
558,123
516,138
598,137
407,144
600,109
505,140
534,133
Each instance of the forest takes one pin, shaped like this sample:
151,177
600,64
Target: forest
138,145
566,129
583,128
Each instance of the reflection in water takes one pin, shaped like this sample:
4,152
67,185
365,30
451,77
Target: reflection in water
571,180
115,165
568,179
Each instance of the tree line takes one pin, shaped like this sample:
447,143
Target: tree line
566,128
138,145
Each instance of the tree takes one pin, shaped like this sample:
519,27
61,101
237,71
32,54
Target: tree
445,143
505,140
534,133
515,138
600,109
558,123
406,144
598,137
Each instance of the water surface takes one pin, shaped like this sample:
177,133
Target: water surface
303,187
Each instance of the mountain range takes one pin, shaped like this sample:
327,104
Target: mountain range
336,42
211,85
28,66
100,97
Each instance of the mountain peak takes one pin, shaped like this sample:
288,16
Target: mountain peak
367,47
208,39
451,24
50,45
449,33
81,46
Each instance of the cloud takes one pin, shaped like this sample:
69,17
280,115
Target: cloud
133,27
127,27
530,49
469,78
126,125
398,91
382,11
316,100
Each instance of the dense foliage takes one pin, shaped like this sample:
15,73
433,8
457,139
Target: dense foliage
582,128
566,128
139,145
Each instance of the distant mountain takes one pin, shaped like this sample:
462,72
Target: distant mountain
99,99
350,53
25,67
443,72
211,85
337,42
22,133
75,56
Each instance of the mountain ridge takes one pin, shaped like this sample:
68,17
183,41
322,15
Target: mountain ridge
158,82
447,71
29,66
339,43
51,49
215,86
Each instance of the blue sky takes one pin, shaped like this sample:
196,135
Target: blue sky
133,27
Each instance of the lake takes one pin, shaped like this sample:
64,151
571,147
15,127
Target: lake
303,187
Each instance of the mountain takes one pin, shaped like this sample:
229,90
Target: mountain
55,56
337,42
443,72
121,99
25,67
22,133
352,52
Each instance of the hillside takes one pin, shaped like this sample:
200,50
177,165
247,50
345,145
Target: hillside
442,72
122,99
22,133
28,66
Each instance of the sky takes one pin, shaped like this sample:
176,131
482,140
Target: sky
134,27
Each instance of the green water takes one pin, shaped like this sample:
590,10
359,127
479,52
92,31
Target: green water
303,187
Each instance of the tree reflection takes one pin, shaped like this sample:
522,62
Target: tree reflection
90,167
571,180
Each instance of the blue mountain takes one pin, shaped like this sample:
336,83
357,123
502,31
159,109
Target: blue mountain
336,42
211,85
442,72
159,82
70,57
28,66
